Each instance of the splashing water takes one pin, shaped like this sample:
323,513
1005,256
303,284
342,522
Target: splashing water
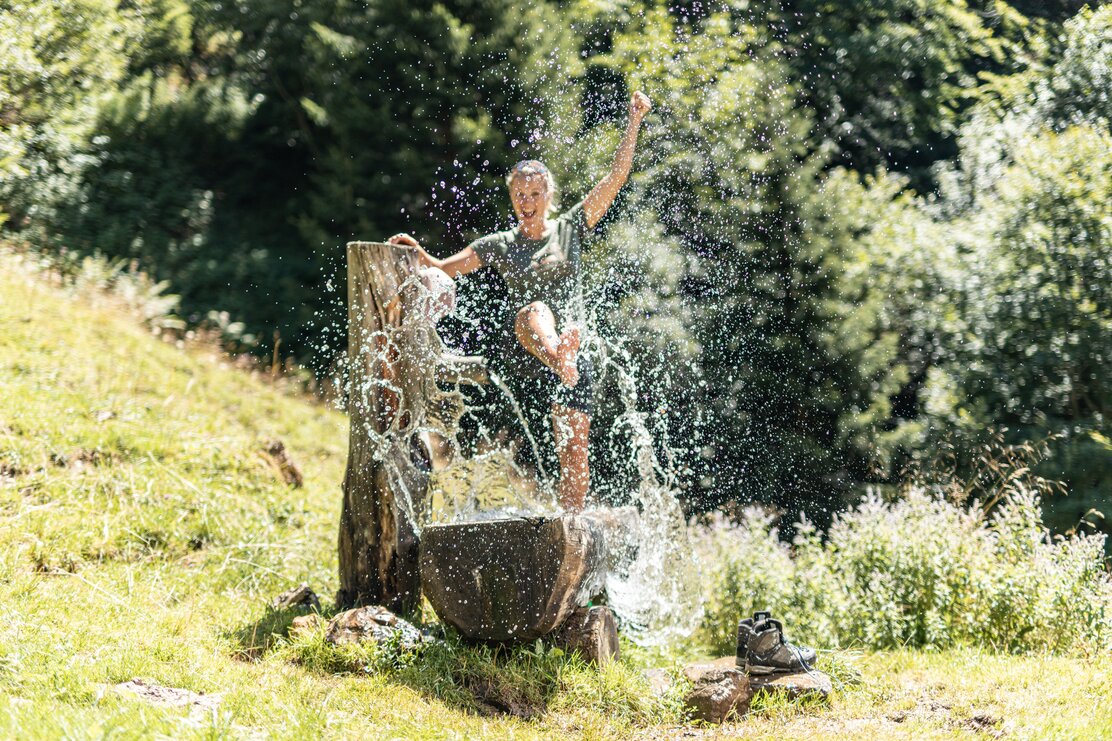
653,596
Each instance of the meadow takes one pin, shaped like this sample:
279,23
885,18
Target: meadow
144,533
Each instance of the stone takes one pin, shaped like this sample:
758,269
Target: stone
593,632
372,624
299,596
660,681
199,704
303,625
792,684
718,692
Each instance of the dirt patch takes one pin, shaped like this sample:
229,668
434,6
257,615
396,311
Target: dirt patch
83,458
982,722
979,721
10,471
156,694
497,698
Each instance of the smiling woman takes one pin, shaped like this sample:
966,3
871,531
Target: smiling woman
539,261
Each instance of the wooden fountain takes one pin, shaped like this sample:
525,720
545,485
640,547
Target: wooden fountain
495,580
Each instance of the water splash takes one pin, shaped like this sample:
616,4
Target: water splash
653,595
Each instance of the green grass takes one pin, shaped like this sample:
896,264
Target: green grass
143,533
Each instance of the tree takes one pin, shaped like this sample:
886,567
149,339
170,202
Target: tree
889,80
1020,316
732,182
59,60
420,110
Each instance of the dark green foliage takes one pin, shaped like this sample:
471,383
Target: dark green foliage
250,140
421,109
888,79
1026,345
733,185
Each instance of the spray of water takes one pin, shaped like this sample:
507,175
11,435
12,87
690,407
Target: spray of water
652,595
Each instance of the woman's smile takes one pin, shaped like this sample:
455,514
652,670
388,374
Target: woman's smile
531,200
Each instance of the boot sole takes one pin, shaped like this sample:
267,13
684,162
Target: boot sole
765,670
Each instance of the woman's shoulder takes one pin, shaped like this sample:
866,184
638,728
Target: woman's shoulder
494,239
491,247
574,220
572,213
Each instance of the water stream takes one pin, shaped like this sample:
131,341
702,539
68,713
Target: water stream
655,597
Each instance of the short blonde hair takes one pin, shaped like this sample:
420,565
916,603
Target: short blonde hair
532,168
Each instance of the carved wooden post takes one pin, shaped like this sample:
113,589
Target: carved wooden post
393,353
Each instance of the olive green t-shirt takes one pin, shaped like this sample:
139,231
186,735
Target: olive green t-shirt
545,269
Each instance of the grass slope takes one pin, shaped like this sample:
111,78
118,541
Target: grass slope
142,533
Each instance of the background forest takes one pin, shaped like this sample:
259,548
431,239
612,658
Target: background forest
861,239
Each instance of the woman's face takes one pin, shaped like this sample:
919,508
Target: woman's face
530,197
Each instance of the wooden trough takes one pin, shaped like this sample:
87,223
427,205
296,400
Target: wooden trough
515,579
496,580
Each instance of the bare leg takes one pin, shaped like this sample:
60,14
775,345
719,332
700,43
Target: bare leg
535,328
572,428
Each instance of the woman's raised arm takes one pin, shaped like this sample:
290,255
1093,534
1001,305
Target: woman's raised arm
463,262
598,201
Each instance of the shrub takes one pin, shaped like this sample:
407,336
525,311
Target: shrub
920,571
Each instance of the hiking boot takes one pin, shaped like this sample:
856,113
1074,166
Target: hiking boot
745,634
762,648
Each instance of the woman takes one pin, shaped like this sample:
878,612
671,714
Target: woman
539,262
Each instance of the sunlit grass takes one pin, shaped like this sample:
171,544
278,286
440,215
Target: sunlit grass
143,533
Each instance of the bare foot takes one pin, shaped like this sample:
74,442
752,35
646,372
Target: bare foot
567,357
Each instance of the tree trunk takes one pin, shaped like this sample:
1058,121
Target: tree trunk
393,354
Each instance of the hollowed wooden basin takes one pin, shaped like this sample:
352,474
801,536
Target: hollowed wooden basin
512,579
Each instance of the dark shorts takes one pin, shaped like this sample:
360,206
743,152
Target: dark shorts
536,388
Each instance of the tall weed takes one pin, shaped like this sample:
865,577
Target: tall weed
921,571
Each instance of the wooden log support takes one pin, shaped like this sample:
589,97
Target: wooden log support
393,353
513,579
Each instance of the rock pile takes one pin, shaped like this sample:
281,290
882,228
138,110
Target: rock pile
722,691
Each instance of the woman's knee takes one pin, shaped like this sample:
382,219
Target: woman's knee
525,313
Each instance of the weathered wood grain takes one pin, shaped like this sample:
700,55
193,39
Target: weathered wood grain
593,632
393,399
513,579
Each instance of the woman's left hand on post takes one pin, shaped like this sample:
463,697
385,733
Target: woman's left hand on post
404,240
